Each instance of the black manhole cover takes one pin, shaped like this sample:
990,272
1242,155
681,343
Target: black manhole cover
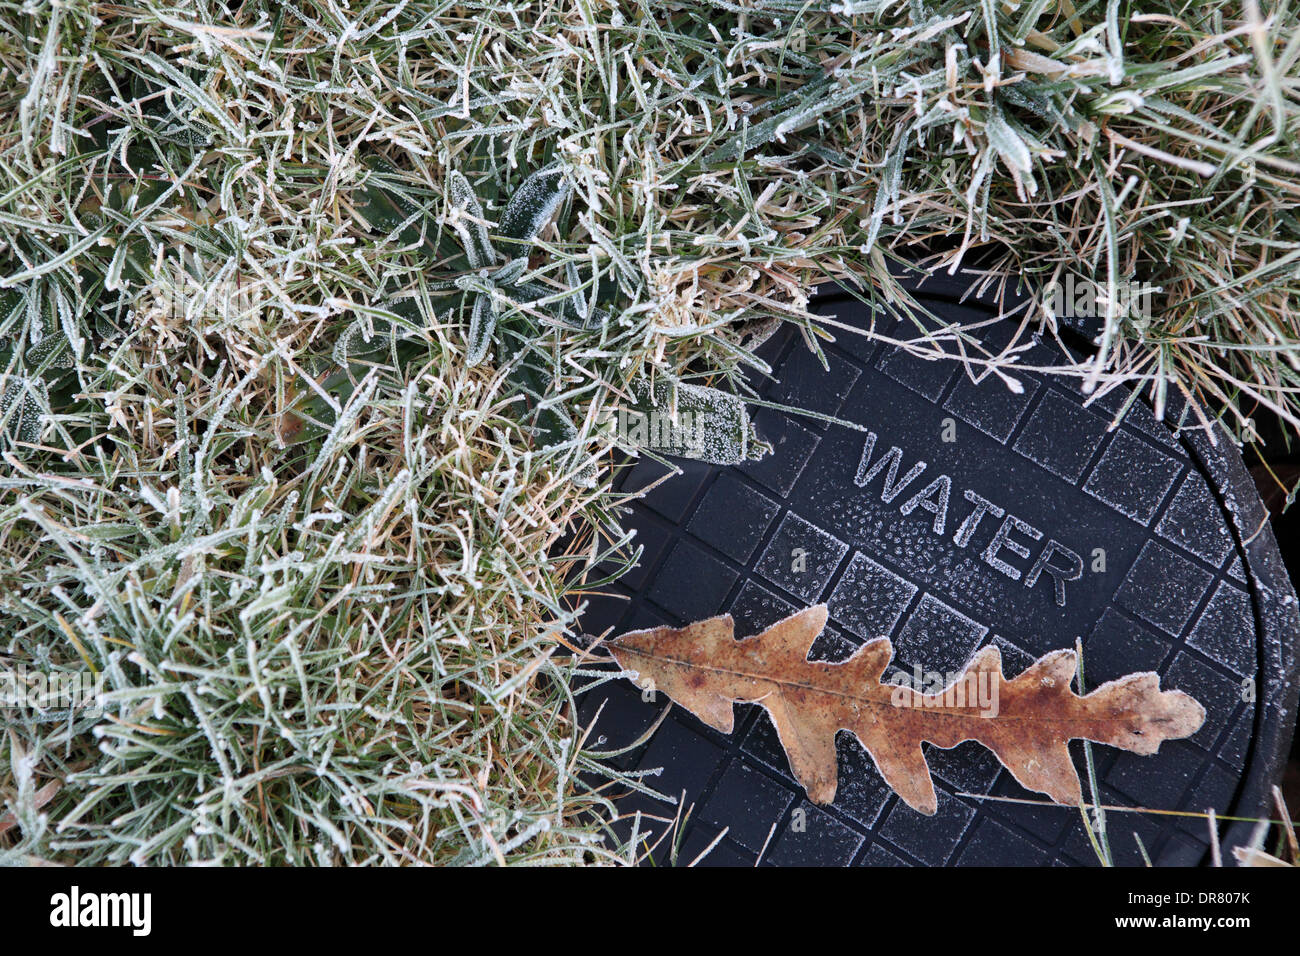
1042,524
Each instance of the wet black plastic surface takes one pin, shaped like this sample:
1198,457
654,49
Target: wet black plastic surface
981,546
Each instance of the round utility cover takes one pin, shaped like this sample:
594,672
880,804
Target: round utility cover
1048,519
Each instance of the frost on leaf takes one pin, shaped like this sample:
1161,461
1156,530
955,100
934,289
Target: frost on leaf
1029,725
482,324
22,402
386,207
35,356
691,421
534,203
569,310
466,217
364,334
817,98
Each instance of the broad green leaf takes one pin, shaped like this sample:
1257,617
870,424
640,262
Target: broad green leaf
534,203
365,334
23,400
819,100
387,207
510,273
172,126
548,423
467,220
482,323
691,421
570,310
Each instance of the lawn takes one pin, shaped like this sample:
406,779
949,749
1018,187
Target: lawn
316,320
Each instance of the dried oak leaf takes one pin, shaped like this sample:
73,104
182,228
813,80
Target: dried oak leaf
705,669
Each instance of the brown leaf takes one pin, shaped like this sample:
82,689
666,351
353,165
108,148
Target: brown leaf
43,796
1027,721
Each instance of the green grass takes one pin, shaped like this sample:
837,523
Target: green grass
329,602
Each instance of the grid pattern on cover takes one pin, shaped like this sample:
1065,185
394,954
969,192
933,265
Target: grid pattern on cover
1162,588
